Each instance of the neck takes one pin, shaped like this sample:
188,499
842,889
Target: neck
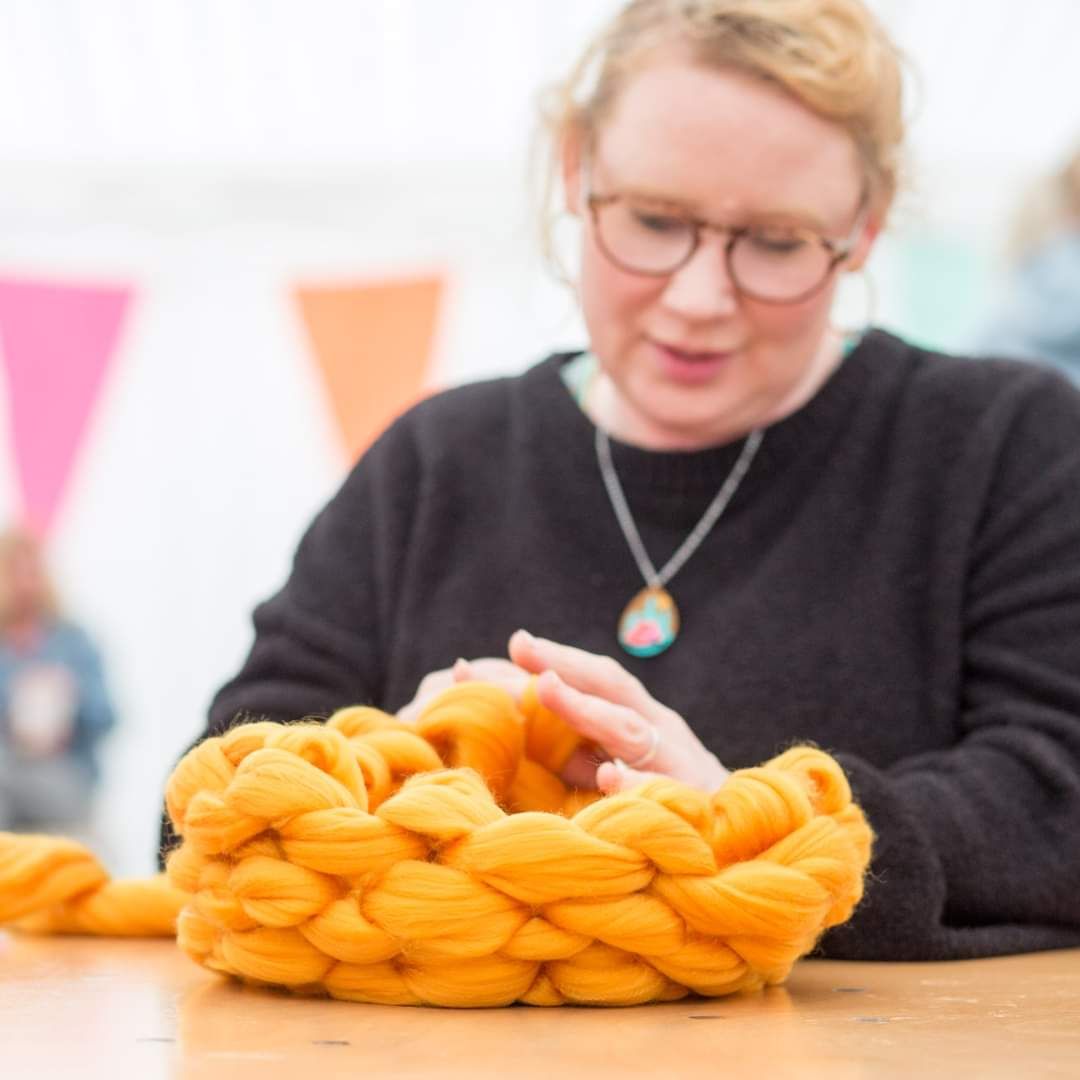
826,360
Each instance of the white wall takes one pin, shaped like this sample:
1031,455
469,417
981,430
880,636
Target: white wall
214,152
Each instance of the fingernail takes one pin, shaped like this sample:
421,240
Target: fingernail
551,677
620,765
611,785
525,636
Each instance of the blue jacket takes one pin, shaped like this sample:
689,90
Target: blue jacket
67,645
1039,318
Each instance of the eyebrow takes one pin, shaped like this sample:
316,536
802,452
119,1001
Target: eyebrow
788,216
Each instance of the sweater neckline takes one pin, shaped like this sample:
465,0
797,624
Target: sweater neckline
792,439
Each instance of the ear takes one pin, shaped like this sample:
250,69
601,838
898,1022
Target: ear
864,245
571,151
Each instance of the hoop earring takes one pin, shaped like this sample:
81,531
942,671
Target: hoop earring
562,249
847,312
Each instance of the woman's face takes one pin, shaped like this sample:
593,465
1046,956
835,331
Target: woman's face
733,151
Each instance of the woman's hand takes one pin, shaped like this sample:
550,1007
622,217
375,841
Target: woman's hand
489,669
603,702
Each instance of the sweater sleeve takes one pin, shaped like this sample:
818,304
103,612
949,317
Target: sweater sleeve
977,846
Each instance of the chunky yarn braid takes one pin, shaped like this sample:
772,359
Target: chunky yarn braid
447,864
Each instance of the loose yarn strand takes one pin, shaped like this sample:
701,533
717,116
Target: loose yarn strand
448,864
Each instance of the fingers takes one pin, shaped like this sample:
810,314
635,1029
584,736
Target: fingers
580,769
585,671
621,731
608,777
489,669
430,685
585,772
654,737
615,776
493,669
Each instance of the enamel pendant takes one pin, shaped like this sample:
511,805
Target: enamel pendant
650,623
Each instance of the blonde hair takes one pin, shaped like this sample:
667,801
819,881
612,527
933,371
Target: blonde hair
447,864
15,542
831,55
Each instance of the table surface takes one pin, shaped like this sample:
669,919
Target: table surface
84,1007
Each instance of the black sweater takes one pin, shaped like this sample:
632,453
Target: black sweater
896,580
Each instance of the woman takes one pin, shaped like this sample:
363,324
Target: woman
54,707
855,543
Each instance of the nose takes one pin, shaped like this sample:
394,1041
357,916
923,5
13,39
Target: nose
702,288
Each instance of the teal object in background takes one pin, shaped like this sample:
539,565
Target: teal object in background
944,283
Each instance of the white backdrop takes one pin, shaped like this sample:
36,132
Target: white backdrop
215,152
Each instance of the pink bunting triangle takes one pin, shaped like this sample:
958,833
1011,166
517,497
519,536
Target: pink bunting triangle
57,342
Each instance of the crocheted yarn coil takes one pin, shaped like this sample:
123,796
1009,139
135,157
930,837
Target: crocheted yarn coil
447,864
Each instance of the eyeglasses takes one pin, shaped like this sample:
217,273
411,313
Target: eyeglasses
776,264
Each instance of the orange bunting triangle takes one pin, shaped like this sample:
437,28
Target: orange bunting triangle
373,343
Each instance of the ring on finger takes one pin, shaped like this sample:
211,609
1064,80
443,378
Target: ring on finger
650,752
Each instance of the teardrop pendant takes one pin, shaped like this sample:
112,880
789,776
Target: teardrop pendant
650,623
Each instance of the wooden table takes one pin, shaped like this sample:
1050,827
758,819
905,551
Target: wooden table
85,1008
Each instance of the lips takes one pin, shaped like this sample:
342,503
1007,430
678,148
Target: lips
694,356
691,367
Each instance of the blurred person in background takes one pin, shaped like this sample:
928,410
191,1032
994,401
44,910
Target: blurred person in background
724,525
54,707
1038,315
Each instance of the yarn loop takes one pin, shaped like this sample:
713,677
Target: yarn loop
448,864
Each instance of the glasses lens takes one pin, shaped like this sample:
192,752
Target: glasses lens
778,263
642,238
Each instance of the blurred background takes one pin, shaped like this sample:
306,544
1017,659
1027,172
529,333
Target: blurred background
239,235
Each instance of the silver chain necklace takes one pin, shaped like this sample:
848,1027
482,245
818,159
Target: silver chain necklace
650,622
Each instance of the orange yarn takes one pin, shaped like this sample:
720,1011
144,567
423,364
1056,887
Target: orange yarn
448,864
